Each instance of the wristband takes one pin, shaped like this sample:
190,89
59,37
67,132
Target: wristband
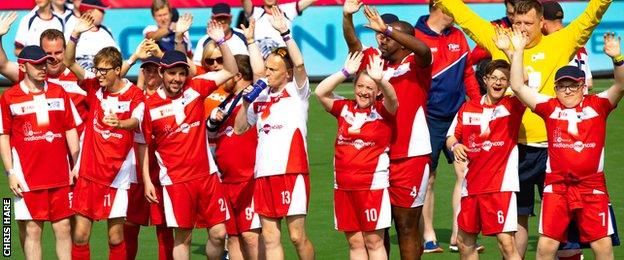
220,42
130,63
286,38
618,60
454,145
287,32
345,73
73,39
9,172
388,31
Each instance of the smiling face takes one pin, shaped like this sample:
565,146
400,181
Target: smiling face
54,48
162,17
106,73
497,83
569,92
365,90
152,78
174,79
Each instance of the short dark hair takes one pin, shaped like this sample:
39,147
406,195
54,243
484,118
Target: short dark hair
160,4
110,55
405,27
511,2
496,65
52,34
244,66
525,6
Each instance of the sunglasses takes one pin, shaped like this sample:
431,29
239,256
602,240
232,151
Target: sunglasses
210,61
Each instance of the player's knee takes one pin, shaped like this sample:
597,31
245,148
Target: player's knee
271,236
298,238
81,237
356,243
33,231
250,239
62,230
217,235
408,228
115,237
374,243
507,247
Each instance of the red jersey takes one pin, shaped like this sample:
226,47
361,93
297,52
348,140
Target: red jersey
154,168
361,161
235,154
411,83
107,155
176,127
576,137
36,124
491,134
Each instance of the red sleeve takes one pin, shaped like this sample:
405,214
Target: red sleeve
146,127
70,109
459,123
602,102
137,105
478,54
545,108
89,85
470,82
383,111
7,118
337,106
204,86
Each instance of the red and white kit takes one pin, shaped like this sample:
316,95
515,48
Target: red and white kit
236,157
36,124
177,129
361,163
575,186
410,147
107,157
140,211
490,132
281,172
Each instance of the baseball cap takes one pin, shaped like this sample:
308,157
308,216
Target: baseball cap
33,54
552,10
221,10
175,15
150,60
86,5
389,18
173,58
569,72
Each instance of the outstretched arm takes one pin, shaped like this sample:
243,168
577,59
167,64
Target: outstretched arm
612,49
278,20
420,49
348,29
142,52
507,40
323,91
303,4
84,24
375,71
216,33
8,69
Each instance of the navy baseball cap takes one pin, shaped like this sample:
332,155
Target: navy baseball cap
173,58
221,10
33,54
86,5
552,10
569,72
389,18
150,60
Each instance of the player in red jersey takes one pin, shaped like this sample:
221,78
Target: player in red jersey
484,133
236,157
575,186
408,68
361,199
279,113
107,155
38,117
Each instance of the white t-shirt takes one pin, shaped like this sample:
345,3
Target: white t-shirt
267,37
90,43
31,26
237,44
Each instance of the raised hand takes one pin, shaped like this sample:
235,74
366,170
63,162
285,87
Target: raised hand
278,20
249,31
184,23
154,49
143,51
374,69
374,19
501,40
215,31
518,40
352,64
611,44
6,19
84,24
351,6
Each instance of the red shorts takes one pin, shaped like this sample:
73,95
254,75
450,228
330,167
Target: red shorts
240,198
202,198
408,181
44,205
140,211
593,220
490,213
282,195
362,210
97,201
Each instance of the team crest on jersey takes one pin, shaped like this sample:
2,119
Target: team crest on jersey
538,56
357,120
573,117
229,131
27,127
453,47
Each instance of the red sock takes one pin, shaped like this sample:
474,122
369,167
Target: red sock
574,257
131,237
117,252
165,242
80,252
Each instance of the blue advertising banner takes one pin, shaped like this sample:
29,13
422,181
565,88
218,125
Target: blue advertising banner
319,30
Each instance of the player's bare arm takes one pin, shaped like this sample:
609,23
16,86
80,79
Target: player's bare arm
84,24
420,49
324,90
612,49
142,51
215,32
348,29
255,56
512,44
303,4
460,151
375,71
7,160
150,190
279,22
8,69
181,27
241,125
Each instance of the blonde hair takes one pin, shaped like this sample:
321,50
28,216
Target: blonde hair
209,49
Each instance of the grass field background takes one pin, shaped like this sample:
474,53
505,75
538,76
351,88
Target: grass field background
329,243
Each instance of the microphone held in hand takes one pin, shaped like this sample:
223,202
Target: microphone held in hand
257,88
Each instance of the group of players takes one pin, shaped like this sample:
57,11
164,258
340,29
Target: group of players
147,154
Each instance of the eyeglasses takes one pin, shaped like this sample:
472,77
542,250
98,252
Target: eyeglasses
101,71
572,87
497,79
210,61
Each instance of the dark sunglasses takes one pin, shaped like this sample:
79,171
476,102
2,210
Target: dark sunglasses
210,61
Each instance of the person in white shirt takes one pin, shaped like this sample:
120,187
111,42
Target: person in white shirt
34,23
234,37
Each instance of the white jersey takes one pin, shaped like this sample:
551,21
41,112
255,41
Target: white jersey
89,43
280,120
31,26
237,44
267,37
581,61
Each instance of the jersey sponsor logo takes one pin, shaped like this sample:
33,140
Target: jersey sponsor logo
228,131
105,133
266,128
577,146
357,120
538,56
48,136
453,47
357,143
161,112
573,117
485,145
29,107
398,71
183,128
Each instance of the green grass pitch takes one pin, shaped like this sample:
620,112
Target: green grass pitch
329,243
